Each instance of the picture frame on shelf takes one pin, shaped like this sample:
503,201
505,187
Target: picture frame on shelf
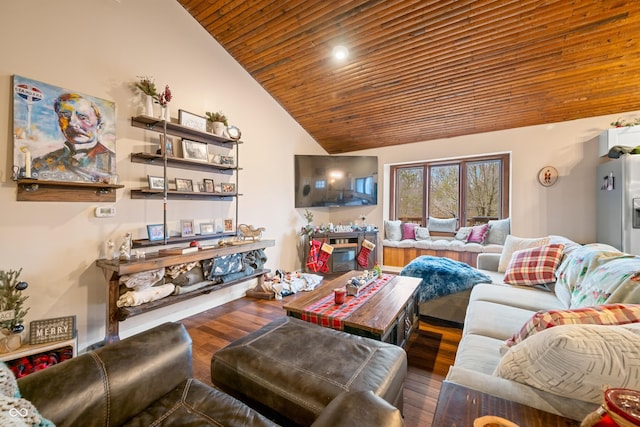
218,225
168,146
227,160
228,187
155,232
233,132
194,150
213,157
51,330
206,228
192,121
155,182
186,228
228,225
183,184
209,186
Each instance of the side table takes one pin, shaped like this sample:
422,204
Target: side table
459,406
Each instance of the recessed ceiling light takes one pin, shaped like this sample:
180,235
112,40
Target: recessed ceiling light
340,52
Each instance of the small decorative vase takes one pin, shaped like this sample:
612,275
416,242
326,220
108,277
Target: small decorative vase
167,113
219,128
162,112
148,105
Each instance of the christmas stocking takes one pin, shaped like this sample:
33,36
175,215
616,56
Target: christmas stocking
365,250
312,258
325,251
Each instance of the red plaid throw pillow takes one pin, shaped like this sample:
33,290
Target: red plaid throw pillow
534,266
606,314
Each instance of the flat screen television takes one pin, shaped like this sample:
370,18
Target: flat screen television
331,181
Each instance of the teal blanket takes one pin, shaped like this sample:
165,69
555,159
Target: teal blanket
442,276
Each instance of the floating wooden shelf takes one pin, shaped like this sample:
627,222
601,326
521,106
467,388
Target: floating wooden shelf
36,190
156,125
177,162
145,193
145,243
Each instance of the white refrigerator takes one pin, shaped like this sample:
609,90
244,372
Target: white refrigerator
618,203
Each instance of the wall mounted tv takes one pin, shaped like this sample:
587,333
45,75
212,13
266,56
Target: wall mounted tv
331,181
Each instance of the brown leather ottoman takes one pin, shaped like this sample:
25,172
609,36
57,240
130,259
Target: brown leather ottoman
294,368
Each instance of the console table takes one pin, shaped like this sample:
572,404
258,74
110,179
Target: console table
346,247
459,406
113,269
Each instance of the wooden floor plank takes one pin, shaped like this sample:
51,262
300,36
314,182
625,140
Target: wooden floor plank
213,329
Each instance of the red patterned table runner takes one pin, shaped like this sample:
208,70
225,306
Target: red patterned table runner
325,312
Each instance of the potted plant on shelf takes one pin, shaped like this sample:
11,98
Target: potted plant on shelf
147,86
12,312
217,123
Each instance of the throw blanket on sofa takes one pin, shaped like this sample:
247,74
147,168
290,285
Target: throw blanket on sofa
442,276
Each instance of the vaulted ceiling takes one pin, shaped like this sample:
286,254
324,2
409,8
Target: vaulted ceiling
421,70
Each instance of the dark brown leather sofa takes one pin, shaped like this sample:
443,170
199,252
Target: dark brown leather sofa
147,380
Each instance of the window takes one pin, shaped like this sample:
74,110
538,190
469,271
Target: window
475,190
364,185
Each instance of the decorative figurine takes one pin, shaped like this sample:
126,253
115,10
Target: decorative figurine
125,248
250,232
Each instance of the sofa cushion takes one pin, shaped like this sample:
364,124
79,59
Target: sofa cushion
194,403
422,233
576,360
494,320
499,229
393,230
608,314
534,266
513,243
447,225
528,298
409,230
478,233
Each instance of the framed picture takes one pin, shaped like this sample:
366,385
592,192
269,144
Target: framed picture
228,225
226,160
209,186
44,141
206,228
228,187
193,150
155,232
191,120
155,182
168,146
183,184
186,228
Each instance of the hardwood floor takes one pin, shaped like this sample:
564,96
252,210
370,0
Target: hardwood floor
430,352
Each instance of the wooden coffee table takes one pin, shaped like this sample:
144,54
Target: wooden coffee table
459,406
390,315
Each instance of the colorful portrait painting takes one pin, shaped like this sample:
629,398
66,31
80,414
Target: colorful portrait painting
62,135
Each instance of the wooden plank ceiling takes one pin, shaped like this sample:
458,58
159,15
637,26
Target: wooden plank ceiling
421,70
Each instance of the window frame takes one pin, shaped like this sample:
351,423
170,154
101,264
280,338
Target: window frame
504,158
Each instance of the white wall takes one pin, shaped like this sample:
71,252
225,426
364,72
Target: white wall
98,47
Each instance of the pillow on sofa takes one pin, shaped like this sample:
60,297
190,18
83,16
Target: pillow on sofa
478,233
535,266
513,243
442,225
422,233
463,233
576,360
409,230
607,314
499,229
393,230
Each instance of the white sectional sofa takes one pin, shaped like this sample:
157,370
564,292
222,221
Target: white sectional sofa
558,369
